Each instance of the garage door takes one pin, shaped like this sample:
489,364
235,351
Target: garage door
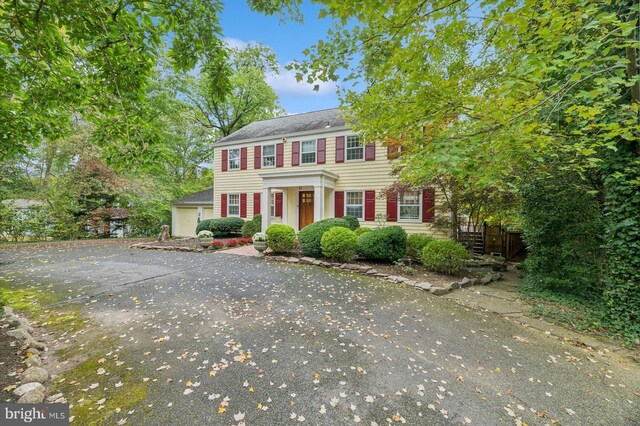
185,222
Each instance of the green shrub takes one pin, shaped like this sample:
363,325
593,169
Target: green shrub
252,226
444,256
222,227
385,244
311,235
352,222
281,238
361,231
339,244
415,244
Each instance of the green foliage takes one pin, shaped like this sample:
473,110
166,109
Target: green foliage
563,234
281,238
221,227
352,222
387,244
339,244
252,226
415,244
444,256
311,235
360,231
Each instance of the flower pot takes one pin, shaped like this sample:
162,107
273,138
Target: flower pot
205,242
261,246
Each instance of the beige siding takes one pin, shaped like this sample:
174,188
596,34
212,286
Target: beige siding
355,175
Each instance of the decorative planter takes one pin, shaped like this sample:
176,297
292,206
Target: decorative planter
261,246
205,242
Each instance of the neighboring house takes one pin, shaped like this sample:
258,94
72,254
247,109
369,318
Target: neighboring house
188,211
303,168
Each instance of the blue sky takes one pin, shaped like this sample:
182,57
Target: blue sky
288,40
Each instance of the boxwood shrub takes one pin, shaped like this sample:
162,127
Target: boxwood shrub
222,227
352,222
281,238
339,244
415,244
386,244
252,226
360,231
311,235
444,256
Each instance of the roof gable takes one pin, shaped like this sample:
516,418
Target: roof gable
201,197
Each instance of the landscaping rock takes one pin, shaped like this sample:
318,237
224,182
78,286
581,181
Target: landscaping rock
490,277
318,262
424,285
468,282
371,272
7,311
33,351
411,282
293,260
33,397
308,260
453,285
438,291
19,333
34,374
33,343
34,361
28,387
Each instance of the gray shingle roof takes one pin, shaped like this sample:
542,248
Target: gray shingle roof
290,124
201,197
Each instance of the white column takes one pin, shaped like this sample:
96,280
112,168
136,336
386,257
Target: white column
318,203
265,208
285,206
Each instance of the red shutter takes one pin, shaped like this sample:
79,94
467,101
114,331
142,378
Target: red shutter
322,151
223,205
243,204
339,204
428,205
243,158
278,204
369,205
340,149
280,155
370,152
295,153
257,157
256,203
392,207
225,160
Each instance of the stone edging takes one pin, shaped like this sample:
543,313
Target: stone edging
372,272
32,389
151,246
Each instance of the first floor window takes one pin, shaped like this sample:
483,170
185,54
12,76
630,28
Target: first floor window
355,204
233,206
355,151
409,205
234,159
269,156
308,152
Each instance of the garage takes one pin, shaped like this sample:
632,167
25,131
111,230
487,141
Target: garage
188,211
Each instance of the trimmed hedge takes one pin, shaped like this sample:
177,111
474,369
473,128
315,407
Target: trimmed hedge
252,226
352,222
311,235
339,244
415,244
361,231
281,238
444,256
386,244
222,227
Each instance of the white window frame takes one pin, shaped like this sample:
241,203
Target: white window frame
346,199
230,163
229,205
346,149
265,166
419,219
315,152
272,204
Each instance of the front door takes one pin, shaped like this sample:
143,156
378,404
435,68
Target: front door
306,208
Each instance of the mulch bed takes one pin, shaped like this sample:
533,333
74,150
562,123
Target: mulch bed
10,362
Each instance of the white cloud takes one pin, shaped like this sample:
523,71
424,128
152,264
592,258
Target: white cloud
236,43
285,84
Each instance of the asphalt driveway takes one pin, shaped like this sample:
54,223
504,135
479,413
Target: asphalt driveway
224,339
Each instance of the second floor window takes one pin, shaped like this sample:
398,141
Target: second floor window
308,152
355,151
269,156
234,159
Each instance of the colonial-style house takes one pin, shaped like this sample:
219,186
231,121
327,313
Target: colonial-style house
306,167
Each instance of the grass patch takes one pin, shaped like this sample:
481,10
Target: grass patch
118,390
